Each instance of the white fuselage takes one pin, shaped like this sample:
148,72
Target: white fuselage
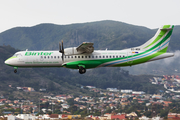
54,58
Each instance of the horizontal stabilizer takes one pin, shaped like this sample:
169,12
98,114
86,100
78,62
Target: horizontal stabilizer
166,29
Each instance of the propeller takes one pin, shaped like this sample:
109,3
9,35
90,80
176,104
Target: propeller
61,50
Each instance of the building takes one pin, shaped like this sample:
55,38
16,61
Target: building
126,91
113,89
112,116
174,116
11,117
91,87
138,92
42,89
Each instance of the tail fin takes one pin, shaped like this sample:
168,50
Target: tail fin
160,41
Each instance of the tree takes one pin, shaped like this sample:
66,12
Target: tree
72,109
148,113
70,101
164,113
51,86
31,110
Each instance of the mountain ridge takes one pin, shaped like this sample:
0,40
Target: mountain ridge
102,33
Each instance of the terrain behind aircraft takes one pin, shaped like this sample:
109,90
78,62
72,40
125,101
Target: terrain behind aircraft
85,57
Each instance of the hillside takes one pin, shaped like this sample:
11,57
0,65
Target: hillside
65,81
104,34
35,78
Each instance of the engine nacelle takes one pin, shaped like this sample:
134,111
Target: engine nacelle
72,51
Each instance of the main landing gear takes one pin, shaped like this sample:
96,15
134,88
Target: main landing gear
82,70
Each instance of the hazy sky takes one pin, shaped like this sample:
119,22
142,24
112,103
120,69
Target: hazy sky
148,13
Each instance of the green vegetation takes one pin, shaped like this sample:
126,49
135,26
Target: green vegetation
104,34
66,81
111,34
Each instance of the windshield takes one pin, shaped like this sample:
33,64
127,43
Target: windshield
17,55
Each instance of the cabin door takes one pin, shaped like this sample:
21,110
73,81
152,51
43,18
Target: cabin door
130,57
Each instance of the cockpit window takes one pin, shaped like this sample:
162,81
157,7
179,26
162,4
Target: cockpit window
17,55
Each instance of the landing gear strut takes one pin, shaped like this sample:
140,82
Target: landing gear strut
82,70
15,71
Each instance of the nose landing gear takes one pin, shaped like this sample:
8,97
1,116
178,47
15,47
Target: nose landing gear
15,69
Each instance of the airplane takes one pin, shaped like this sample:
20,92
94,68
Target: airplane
85,57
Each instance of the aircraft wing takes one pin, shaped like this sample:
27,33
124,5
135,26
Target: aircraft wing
85,47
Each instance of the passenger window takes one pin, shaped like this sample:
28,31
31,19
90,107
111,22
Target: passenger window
113,56
78,56
106,56
123,56
85,56
64,56
48,57
116,56
92,56
68,56
109,56
58,57
103,56
71,56
75,56
45,57
41,56
89,56
55,57
120,56
82,56
99,56
51,56
96,56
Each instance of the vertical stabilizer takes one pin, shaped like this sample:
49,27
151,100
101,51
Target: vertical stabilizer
161,39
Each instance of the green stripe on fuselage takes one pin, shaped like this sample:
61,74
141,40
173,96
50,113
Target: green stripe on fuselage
89,63
142,60
95,63
12,57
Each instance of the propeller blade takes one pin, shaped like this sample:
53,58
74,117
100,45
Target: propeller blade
63,57
59,47
61,50
62,47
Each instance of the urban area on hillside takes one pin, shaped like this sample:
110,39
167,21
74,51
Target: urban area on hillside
111,103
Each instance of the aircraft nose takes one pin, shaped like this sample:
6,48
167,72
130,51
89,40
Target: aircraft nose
6,62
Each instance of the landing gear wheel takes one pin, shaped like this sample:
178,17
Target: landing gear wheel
82,70
15,71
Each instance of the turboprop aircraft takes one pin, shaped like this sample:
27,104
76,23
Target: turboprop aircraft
85,57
